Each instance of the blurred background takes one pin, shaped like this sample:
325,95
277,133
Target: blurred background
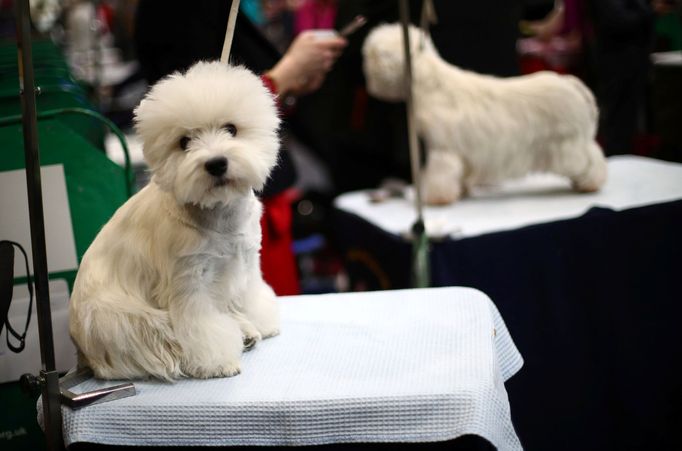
95,60
339,139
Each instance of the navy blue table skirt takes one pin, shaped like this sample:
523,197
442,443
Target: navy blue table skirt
464,443
593,304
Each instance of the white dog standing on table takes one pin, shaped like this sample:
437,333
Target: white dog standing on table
171,286
482,130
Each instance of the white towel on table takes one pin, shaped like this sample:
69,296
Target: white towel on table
394,366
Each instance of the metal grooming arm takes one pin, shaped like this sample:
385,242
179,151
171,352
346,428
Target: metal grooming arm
48,381
78,400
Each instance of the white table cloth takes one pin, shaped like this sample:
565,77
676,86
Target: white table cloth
632,182
394,366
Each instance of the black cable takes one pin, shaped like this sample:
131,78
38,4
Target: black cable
10,330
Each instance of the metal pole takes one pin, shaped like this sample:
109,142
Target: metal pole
420,244
49,376
409,103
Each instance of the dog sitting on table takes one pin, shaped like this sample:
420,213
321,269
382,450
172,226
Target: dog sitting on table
482,130
171,287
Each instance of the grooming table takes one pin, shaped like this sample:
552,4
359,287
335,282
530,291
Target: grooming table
588,285
540,198
397,366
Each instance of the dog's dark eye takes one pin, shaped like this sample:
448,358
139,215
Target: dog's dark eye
231,129
184,142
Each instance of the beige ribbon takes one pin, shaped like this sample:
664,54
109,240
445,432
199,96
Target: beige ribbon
229,32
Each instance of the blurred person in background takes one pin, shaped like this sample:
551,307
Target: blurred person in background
315,15
622,40
616,38
277,22
555,42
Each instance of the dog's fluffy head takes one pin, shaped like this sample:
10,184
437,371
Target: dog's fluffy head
383,56
209,134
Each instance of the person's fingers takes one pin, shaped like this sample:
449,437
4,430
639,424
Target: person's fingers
313,57
336,54
314,83
306,34
328,61
336,43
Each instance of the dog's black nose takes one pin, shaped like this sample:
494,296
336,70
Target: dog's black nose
216,166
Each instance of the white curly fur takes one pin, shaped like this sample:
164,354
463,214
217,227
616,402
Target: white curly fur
171,287
481,129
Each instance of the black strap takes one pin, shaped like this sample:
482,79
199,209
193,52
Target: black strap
10,330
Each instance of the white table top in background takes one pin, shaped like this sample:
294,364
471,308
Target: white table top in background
632,182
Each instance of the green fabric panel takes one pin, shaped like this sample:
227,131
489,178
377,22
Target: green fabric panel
95,185
40,47
59,89
19,430
88,127
670,27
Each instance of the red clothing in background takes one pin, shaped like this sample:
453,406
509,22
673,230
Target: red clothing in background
277,260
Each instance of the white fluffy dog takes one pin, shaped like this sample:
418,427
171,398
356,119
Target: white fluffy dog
481,129
171,287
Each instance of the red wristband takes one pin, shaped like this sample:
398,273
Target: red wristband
269,83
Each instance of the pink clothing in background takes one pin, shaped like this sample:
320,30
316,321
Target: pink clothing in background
575,19
315,14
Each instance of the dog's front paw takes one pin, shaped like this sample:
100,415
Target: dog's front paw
594,177
250,334
271,332
441,190
442,178
215,356
262,311
209,371
269,327
250,342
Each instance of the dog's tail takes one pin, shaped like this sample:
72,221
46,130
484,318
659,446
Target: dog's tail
587,95
120,342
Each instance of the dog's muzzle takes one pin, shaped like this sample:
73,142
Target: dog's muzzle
217,167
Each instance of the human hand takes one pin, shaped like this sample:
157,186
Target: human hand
305,64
